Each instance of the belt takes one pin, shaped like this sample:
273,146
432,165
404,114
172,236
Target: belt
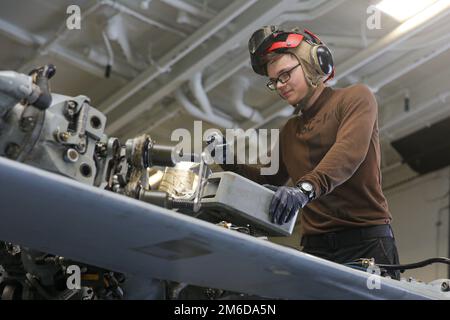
345,238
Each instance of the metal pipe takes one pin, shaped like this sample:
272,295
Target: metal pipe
71,57
195,112
200,95
141,17
62,31
225,72
238,88
190,8
110,54
258,16
195,84
177,53
123,94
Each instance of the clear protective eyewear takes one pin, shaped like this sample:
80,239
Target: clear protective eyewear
283,78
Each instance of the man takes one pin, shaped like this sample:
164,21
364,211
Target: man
329,149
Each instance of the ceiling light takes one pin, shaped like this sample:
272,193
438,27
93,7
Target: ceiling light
403,9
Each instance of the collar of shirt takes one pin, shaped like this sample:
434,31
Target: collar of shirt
312,110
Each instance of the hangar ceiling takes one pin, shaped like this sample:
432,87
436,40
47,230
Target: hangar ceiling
176,61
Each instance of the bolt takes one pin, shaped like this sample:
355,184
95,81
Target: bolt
71,105
101,149
12,150
71,155
64,136
27,124
71,108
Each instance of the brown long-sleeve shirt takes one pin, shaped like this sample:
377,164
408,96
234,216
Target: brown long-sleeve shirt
334,145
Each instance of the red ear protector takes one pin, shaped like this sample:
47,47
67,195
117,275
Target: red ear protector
269,40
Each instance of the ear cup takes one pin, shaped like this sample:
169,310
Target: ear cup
323,59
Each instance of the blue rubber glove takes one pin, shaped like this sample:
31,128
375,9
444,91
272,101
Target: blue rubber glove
285,203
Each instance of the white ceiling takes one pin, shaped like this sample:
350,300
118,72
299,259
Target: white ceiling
165,43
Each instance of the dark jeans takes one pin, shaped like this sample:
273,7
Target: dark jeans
382,249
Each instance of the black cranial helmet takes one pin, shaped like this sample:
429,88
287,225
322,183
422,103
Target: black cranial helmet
314,56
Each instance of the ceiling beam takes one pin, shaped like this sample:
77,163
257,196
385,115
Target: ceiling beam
191,8
177,53
406,30
35,41
259,14
403,65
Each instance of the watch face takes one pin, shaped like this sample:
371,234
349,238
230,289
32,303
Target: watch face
307,186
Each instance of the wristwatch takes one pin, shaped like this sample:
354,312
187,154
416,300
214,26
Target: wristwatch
307,188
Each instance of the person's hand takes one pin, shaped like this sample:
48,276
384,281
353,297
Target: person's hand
285,203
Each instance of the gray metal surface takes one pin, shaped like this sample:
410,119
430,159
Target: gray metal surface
242,201
54,214
13,88
38,145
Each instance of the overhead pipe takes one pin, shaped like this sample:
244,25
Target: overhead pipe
184,18
141,17
180,51
195,112
238,88
199,92
190,8
110,52
259,14
196,86
61,33
28,39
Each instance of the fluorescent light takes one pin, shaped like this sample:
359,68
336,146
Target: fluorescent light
403,9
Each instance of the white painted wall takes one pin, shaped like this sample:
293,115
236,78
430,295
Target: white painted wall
417,208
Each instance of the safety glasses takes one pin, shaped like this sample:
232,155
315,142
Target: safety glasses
283,78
